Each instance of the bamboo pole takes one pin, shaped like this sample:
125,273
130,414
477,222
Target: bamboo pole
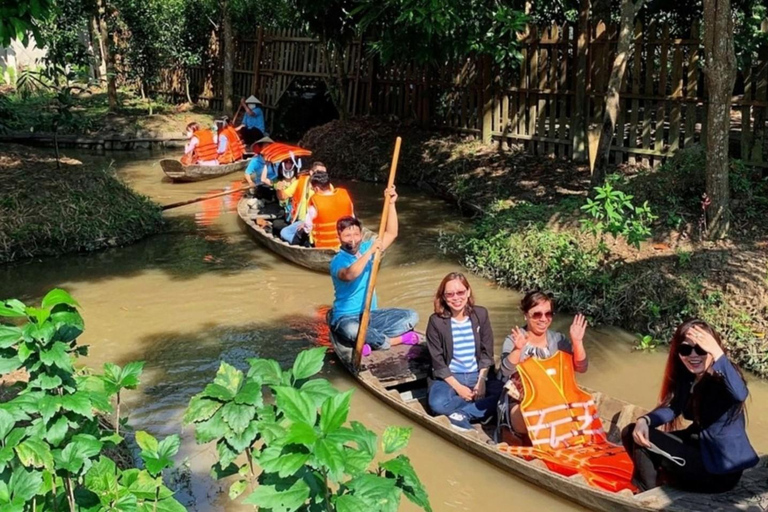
198,199
357,356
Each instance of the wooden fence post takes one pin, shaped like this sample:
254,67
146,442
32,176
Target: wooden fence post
580,89
257,60
489,103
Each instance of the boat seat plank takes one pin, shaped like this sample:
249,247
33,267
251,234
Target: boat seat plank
399,365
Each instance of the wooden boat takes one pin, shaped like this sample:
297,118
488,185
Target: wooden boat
398,377
259,227
175,170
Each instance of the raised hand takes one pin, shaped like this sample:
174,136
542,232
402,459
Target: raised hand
578,328
519,337
391,192
706,341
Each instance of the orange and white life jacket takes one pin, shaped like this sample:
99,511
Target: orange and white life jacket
206,149
565,428
235,149
330,208
300,197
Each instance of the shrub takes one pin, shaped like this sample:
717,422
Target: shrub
310,460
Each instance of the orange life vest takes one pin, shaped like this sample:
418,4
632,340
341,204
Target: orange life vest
299,196
565,428
206,149
235,148
330,208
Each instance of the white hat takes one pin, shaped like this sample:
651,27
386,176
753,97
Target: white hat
252,100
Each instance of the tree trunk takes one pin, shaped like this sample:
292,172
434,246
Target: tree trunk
336,78
109,57
720,74
229,59
98,69
579,130
629,10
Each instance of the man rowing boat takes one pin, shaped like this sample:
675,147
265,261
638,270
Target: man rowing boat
351,275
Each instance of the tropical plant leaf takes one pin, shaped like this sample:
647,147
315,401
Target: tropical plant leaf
350,503
25,484
237,488
330,455
58,355
308,363
147,442
284,462
211,429
9,335
318,390
34,452
229,378
250,394
279,499
266,370
79,403
355,461
334,412
57,431
58,296
240,442
395,438
9,364
200,409
380,493
238,417
6,423
13,308
300,433
401,468
130,374
295,405
169,446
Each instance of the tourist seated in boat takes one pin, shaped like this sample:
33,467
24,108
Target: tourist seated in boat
201,148
252,127
299,192
460,341
351,272
260,175
534,339
326,206
230,147
703,386
286,178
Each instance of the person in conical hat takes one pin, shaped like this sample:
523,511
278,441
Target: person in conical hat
252,127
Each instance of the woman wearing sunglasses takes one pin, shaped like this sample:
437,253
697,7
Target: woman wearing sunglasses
703,386
535,339
460,341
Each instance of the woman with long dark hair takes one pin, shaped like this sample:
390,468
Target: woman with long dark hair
703,386
460,341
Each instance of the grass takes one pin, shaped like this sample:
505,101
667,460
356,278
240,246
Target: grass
48,212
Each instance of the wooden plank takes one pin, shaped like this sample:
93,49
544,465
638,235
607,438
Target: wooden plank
761,94
637,67
562,132
660,106
532,77
618,156
541,109
554,32
677,91
746,116
691,87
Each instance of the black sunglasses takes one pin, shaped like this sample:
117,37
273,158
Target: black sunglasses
685,350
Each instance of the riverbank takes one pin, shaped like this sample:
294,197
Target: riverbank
32,116
527,233
45,211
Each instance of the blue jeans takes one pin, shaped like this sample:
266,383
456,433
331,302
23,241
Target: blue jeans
444,401
383,324
288,232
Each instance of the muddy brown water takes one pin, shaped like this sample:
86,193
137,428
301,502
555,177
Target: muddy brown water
205,292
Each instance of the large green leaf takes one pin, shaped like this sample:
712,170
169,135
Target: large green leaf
229,378
226,454
169,446
48,406
57,431
308,363
13,308
157,456
58,296
147,442
6,423
129,376
101,478
401,468
283,499
9,364
395,438
217,392
356,461
211,429
318,390
250,394
295,405
34,452
266,370
200,409
9,335
284,462
69,324
238,417
166,505
330,455
41,332
237,488
57,354
380,493
25,484
74,455
240,442
334,411
270,430
79,403
45,381
140,483
350,503
300,433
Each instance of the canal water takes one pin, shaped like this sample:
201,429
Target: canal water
204,292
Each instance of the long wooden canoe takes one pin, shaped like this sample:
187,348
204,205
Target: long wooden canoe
398,377
308,257
186,173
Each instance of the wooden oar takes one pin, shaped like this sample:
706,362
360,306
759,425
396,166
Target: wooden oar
376,261
198,199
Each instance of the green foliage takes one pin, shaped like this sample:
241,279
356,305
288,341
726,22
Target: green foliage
53,449
310,459
647,343
20,19
612,212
